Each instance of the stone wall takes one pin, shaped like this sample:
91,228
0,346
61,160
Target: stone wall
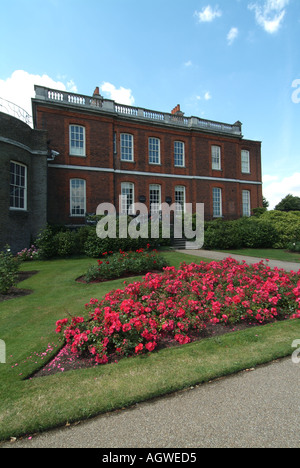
21,144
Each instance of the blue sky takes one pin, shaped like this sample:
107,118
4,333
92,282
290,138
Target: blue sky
223,60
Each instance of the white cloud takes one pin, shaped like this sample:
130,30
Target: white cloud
121,95
19,87
206,96
232,35
270,14
189,63
275,189
208,14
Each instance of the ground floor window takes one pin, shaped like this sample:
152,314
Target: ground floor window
155,198
217,202
180,199
246,203
77,197
18,186
127,198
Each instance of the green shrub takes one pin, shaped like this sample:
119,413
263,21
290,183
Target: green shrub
117,264
294,247
9,267
66,244
256,233
222,235
45,242
287,226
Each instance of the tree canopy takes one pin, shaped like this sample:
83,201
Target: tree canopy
289,203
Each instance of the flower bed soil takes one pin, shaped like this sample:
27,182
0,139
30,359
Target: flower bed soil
65,360
15,292
82,279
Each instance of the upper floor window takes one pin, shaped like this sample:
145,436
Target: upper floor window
245,162
154,150
77,140
127,147
77,197
216,157
217,202
127,198
18,186
246,203
179,154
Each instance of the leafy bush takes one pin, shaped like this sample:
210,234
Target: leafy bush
256,233
294,247
222,235
66,243
286,225
59,241
46,242
9,267
118,264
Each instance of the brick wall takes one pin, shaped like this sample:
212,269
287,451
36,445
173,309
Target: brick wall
197,176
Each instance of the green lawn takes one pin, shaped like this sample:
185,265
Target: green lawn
272,254
27,325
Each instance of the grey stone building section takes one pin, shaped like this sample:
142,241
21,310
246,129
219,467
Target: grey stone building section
21,144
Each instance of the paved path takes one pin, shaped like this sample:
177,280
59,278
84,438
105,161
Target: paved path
254,409
288,266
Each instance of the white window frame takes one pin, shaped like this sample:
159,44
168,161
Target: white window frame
180,198
127,198
179,154
246,201
245,161
18,186
127,147
157,201
216,157
217,202
154,150
77,140
77,204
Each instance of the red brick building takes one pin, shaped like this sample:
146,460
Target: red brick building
101,150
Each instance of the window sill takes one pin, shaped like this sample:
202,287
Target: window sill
18,210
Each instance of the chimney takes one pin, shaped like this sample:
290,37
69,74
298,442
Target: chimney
97,91
176,109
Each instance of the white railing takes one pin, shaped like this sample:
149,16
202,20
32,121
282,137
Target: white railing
106,105
15,111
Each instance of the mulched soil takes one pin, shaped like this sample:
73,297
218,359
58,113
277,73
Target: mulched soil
15,292
65,360
82,279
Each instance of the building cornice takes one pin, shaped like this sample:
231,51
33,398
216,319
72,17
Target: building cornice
151,174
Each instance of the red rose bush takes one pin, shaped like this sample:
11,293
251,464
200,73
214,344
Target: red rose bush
178,305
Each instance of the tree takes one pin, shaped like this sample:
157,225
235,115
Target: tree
289,203
266,204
